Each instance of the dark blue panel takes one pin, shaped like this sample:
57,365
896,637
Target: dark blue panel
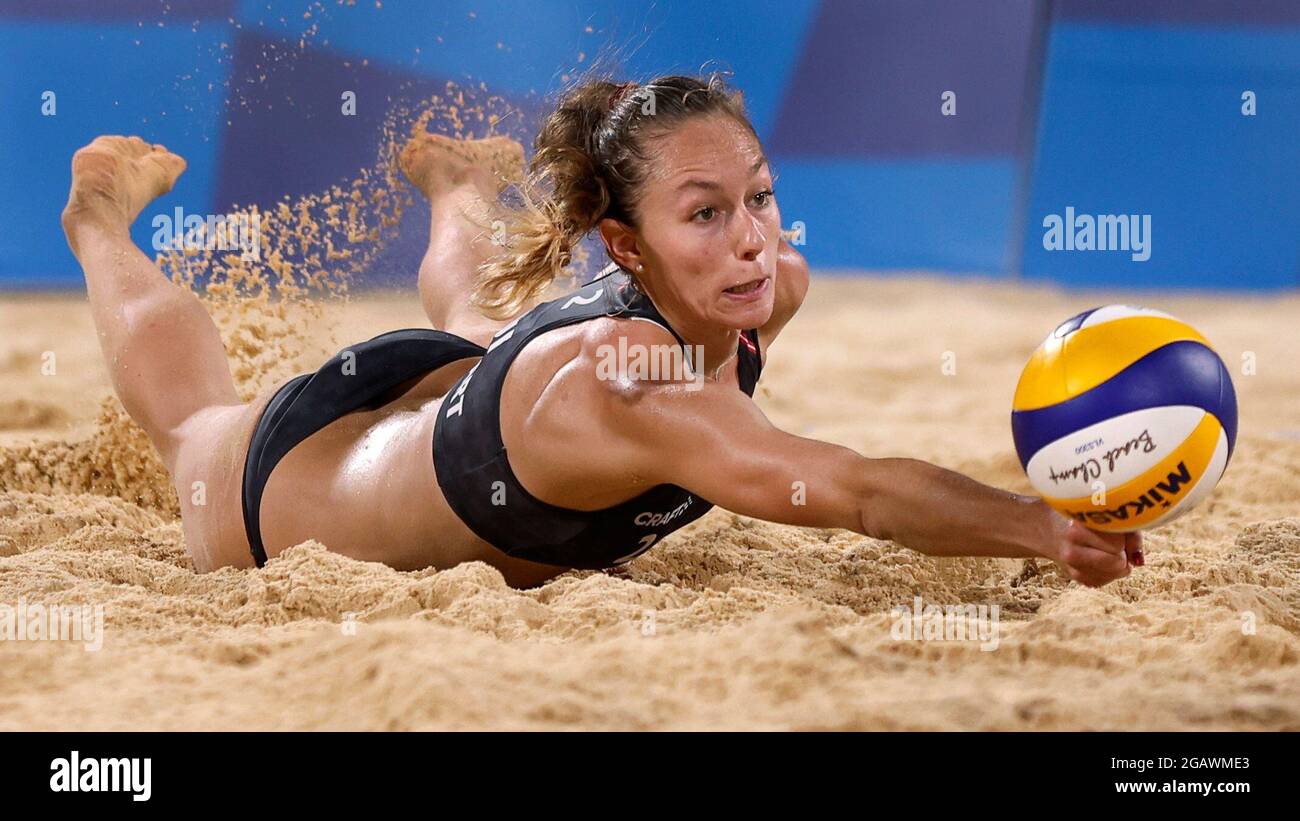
1144,384
288,136
1073,323
870,78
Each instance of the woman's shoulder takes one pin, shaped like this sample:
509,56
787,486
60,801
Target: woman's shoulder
792,279
596,355
567,398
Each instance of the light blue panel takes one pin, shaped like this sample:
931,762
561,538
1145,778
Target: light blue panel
518,46
941,215
109,79
1147,120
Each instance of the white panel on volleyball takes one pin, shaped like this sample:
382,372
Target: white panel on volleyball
1112,451
1109,312
1205,484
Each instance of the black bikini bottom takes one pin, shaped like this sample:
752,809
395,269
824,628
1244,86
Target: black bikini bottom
356,378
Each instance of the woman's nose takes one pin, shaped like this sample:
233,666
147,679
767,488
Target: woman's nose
752,239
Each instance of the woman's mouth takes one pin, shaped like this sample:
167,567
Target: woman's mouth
748,290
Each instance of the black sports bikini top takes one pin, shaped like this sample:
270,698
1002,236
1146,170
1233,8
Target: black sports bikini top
475,476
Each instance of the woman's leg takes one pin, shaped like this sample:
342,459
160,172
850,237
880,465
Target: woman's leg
163,352
462,180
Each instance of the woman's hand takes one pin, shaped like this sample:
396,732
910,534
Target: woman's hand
1090,557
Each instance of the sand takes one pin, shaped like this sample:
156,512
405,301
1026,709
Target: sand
732,623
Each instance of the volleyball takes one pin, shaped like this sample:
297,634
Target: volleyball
1124,418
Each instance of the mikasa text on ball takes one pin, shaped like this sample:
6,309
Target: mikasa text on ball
1124,418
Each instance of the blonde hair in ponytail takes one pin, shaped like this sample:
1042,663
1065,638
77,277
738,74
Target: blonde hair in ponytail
542,233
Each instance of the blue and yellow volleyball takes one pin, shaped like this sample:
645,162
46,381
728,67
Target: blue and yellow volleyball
1124,418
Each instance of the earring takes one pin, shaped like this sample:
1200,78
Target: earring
640,267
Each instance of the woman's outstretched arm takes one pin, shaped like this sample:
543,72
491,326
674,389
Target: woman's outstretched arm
722,447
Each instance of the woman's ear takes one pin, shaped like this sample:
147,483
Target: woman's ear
621,243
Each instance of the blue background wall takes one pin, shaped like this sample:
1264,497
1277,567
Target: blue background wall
1141,114
1109,107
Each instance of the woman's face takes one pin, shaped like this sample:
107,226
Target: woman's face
709,224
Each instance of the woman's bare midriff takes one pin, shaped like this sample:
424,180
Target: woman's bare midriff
364,486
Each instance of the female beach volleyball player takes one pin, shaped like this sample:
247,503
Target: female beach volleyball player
533,455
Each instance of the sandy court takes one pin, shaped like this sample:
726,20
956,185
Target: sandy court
732,623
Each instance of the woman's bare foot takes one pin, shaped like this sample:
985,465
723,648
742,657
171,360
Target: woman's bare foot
113,179
435,164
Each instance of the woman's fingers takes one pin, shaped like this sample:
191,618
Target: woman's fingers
1094,558
1094,568
1133,547
1095,562
1106,542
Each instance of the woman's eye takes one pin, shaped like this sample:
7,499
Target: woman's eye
707,212
765,196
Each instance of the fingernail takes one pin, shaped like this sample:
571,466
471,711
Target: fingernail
1138,560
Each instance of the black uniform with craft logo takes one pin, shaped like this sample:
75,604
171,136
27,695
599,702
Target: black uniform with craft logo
475,476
